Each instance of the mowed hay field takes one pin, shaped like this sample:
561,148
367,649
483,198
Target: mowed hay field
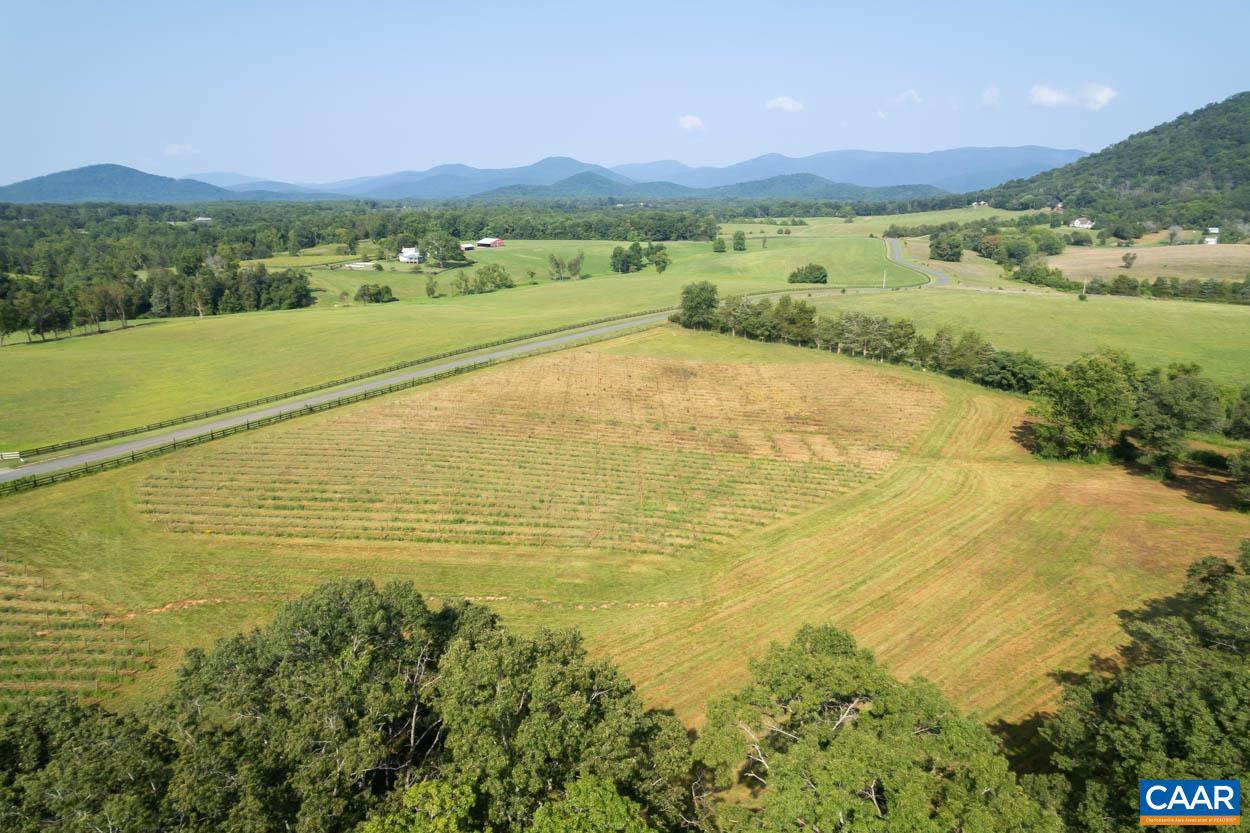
77,387
1225,261
682,497
1058,327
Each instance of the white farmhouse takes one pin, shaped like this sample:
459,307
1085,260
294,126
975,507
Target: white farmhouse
409,254
1210,241
1213,230
1083,222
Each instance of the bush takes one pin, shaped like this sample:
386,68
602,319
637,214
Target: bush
374,293
811,273
947,247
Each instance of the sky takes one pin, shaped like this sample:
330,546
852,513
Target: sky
316,91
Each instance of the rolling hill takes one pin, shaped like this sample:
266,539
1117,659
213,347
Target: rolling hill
1194,169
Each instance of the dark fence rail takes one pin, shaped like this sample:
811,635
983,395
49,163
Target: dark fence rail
333,383
34,481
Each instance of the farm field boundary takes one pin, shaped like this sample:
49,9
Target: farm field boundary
34,481
333,383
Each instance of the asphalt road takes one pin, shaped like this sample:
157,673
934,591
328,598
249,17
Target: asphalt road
108,452
896,255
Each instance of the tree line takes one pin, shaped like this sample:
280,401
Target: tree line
1099,405
365,709
39,307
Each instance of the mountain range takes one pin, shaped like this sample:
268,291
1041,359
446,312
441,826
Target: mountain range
841,174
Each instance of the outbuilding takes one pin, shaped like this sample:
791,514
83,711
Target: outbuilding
490,243
1083,222
409,254
467,247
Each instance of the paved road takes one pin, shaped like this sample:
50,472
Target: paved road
895,251
119,449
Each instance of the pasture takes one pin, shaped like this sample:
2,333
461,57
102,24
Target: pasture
81,386
874,224
1058,327
1230,262
683,498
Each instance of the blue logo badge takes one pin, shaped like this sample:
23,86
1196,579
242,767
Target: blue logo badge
1189,802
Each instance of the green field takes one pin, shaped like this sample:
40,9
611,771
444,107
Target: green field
683,498
863,226
1058,327
81,386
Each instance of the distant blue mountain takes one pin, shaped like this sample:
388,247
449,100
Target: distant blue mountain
839,174
960,169
111,183
790,186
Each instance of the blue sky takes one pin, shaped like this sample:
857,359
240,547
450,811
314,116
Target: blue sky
318,91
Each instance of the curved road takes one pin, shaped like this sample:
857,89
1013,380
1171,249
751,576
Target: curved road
108,452
895,251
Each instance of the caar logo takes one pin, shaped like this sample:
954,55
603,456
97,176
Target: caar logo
1177,801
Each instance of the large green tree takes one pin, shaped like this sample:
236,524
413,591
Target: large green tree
826,739
1176,704
698,305
1082,406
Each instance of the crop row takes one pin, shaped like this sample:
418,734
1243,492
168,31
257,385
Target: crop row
51,642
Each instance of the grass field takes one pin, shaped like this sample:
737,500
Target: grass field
1057,327
684,498
971,271
1227,262
77,387
863,226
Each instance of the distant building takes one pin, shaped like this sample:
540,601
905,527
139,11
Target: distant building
1213,230
979,204
467,247
202,220
1210,241
409,254
1083,222
489,243
1059,206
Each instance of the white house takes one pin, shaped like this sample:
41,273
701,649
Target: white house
409,254
1210,241
1213,230
1083,222
489,243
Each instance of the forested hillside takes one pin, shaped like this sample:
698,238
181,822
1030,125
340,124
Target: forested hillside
1194,170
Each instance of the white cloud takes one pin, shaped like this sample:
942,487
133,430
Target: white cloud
908,96
991,95
882,114
690,123
1097,96
1089,96
785,104
180,149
